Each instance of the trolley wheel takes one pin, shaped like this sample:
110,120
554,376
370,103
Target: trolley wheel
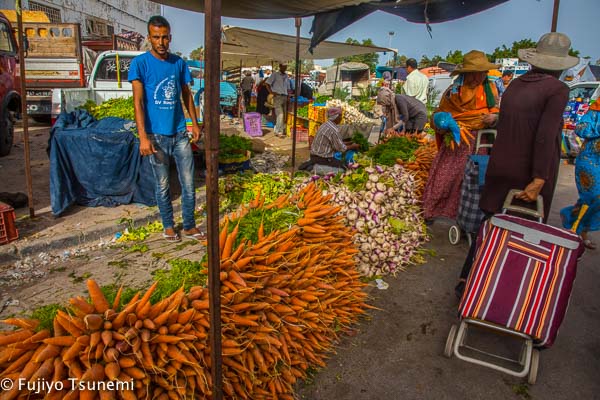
470,238
450,341
533,369
454,234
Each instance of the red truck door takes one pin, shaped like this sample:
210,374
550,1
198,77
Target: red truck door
10,99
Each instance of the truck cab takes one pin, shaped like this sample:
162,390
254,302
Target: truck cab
10,98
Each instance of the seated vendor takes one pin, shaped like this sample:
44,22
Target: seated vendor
327,142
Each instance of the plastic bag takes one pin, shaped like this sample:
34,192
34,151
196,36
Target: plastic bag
445,121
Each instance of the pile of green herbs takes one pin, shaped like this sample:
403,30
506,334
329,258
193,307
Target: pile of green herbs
395,148
361,140
233,147
238,189
273,219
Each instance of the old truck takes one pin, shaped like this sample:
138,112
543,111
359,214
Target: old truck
108,80
10,98
54,59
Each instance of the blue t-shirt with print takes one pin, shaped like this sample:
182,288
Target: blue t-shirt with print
162,80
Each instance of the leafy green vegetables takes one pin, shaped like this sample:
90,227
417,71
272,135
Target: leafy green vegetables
397,147
121,108
233,148
359,139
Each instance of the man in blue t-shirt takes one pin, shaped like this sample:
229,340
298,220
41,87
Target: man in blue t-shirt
159,80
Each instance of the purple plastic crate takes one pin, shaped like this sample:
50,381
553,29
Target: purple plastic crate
252,124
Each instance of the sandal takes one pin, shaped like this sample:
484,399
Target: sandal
199,236
589,244
172,238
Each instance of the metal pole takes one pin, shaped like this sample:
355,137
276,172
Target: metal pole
337,71
24,108
555,15
296,93
241,95
212,38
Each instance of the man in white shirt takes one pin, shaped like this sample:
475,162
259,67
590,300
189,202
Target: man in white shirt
278,84
416,83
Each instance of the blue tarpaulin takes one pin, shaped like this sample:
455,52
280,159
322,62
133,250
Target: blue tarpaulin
97,163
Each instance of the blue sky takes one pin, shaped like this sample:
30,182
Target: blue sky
504,24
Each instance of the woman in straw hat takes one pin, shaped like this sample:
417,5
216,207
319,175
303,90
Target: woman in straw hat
527,148
471,100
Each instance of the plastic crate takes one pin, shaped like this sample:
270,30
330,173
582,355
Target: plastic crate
8,229
301,135
313,127
233,165
252,124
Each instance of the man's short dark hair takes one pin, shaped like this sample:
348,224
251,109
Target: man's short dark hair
411,62
507,73
158,21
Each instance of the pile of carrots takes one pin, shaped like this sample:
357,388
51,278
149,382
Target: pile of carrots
285,300
421,162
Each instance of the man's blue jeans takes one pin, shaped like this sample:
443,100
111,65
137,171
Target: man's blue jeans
178,147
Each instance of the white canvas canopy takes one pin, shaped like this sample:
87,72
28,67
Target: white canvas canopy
267,9
278,47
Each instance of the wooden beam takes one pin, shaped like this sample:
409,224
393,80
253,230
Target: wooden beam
212,75
555,15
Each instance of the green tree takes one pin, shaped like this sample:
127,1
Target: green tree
197,54
424,62
305,66
399,60
436,59
455,57
512,52
371,59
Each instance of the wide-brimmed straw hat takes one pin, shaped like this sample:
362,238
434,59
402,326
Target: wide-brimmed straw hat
474,61
551,53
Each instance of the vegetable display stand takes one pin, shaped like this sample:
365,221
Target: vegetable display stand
252,124
8,230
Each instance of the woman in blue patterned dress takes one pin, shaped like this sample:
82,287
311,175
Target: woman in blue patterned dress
584,216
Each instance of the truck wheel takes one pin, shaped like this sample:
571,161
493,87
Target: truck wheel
7,132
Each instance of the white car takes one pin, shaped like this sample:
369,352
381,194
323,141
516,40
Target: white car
437,86
584,90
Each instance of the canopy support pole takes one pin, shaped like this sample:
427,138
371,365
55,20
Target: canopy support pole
555,15
241,94
296,92
212,35
25,117
337,71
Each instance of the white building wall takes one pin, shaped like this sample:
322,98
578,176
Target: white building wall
130,15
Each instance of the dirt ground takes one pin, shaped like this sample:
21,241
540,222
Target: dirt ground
394,353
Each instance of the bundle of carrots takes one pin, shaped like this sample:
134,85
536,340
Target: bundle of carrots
421,162
285,298
466,137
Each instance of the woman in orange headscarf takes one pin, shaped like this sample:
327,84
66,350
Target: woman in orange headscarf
472,101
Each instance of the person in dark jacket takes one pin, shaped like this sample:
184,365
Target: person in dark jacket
526,153
412,112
